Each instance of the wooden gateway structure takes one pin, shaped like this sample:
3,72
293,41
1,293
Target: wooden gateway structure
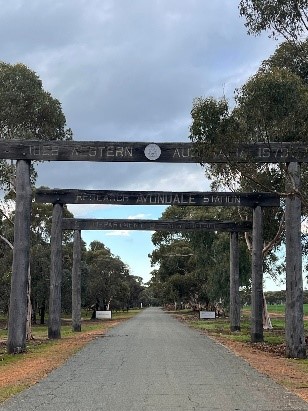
24,151
58,196
153,225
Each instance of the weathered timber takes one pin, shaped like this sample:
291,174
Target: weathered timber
295,337
192,198
16,342
257,277
113,151
154,225
54,323
76,283
235,302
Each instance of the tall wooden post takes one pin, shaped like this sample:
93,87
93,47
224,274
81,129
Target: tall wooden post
235,301
54,323
295,338
18,300
257,276
76,283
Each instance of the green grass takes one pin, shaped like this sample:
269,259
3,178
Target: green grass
41,331
8,392
39,344
280,309
221,326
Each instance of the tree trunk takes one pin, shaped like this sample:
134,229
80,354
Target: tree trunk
267,324
29,335
235,302
76,283
257,277
295,338
34,309
42,312
18,299
54,323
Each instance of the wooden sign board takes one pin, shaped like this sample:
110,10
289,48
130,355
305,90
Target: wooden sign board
206,315
103,315
111,151
154,225
156,198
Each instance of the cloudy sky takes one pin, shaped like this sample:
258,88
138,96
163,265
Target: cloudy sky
128,70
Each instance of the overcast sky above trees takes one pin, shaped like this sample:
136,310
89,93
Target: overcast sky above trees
129,71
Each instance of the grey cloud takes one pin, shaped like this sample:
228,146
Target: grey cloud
122,176
129,70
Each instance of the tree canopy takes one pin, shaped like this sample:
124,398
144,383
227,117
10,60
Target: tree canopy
291,56
108,281
288,18
271,106
27,111
193,267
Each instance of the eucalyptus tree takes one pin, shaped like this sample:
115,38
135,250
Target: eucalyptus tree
194,266
136,291
174,258
27,111
291,56
108,282
288,18
271,107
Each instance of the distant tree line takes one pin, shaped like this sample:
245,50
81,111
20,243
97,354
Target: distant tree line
106,280
192,268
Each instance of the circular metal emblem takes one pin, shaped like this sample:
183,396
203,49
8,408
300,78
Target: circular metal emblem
152,151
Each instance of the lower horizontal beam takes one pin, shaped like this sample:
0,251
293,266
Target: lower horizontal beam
155,225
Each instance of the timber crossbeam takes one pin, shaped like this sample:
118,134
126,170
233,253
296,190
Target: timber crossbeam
111,151
154,225
192,198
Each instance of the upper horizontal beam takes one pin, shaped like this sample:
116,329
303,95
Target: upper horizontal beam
75,196
111,151
154,225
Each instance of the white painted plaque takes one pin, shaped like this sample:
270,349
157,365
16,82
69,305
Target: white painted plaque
103,315
207,315
152,152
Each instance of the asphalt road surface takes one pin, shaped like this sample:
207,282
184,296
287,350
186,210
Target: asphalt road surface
153,362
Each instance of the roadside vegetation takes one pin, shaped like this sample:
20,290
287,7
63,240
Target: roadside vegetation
274,339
